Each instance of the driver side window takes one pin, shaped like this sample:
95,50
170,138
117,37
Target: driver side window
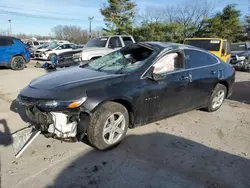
169,63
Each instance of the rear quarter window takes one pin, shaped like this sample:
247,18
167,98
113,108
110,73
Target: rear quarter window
6,42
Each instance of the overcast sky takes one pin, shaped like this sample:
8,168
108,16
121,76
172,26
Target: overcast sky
39,16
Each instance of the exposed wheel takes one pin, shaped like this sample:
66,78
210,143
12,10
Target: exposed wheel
217,98
17,63
108,125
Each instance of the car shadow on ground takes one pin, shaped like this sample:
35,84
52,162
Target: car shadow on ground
19,109
5,135
156,160
241,92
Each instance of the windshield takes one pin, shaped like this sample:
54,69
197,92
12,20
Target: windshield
124,60
210,45
45,45
238,47
53,46
99,42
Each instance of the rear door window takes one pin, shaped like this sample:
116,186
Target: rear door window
6,42
127,41
195,59
115,42
36,43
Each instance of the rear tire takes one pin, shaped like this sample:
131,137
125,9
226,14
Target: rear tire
217,98
17,63
108,125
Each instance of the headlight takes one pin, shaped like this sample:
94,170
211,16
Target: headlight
242,58
77,55
62,104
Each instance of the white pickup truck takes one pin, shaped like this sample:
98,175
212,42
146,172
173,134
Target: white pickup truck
101,46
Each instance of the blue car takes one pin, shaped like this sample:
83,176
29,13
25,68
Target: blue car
13,53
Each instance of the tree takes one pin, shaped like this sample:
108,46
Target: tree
225,24
73,34
118,16
187,16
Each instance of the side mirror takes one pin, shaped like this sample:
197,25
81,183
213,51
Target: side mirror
156,77
223,51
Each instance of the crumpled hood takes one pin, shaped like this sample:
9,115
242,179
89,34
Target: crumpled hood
68,78
239,53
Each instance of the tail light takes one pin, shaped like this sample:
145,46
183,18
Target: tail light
27,48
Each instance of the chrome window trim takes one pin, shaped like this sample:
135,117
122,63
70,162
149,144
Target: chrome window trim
183,48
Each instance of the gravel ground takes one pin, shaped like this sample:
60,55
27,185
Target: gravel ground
195,149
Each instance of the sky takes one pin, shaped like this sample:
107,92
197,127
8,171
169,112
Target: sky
39,16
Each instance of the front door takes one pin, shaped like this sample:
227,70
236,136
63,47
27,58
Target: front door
165,96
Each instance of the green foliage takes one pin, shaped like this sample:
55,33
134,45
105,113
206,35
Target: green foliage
159,32
224,25
118,16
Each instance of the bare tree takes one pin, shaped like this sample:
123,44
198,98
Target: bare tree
73,34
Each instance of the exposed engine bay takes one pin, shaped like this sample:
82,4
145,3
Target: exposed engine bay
54,124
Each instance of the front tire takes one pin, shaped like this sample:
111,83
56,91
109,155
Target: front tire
108,125
17,63
217,98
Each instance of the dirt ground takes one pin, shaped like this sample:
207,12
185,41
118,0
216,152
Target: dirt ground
195,149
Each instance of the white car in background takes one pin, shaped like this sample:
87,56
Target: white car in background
54,50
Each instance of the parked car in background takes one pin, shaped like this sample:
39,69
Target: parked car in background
33,44
218,46
35,52
13,53
126,88
240,57
98,47
54,49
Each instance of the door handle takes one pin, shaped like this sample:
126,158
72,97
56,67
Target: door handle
189,78
184,78
214,71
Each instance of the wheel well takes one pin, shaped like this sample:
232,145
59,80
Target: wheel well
225,84
18,55
129,108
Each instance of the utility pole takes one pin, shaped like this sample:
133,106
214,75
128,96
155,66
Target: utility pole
90,29
10,27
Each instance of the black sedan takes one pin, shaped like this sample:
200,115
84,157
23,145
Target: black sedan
130,87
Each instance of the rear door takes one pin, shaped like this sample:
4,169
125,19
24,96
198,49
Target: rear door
203,67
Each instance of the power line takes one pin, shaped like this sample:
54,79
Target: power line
42,16
37,10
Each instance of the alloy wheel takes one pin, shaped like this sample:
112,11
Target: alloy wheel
114,128
218,99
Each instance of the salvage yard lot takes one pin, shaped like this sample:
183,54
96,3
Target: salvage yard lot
195,149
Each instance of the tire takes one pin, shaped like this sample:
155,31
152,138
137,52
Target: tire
17,63
219,90
102,120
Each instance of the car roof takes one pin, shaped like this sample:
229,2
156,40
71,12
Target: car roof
163,45
8,37
205,39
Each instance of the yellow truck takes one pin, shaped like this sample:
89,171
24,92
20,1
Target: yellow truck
218,46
